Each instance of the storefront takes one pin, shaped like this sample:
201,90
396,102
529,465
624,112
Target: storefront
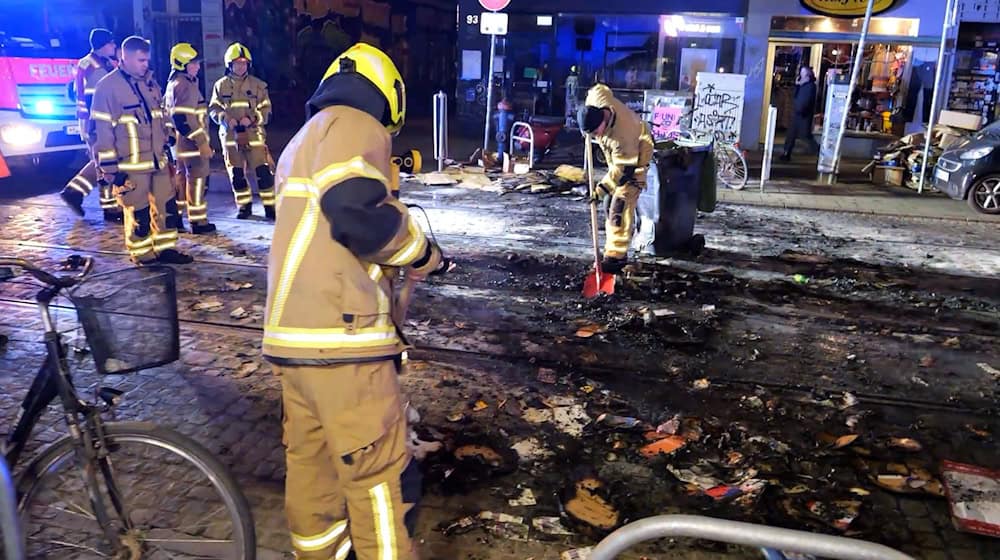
644,47
895,84
975,76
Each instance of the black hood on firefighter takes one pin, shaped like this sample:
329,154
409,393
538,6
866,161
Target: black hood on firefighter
352,90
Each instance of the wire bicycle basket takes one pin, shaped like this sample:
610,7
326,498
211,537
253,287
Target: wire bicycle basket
129,318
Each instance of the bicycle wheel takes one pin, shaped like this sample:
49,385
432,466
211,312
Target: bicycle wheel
176,499
730,166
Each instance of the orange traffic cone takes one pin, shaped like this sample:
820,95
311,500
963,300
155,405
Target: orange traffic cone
4,170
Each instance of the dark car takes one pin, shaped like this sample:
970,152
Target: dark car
971,171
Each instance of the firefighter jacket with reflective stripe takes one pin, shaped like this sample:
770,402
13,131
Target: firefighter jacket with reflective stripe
338,232
128,119
234,98
627,143
89,70
188,114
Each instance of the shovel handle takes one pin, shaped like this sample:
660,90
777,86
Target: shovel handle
588,156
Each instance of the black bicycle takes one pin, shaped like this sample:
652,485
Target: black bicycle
121,490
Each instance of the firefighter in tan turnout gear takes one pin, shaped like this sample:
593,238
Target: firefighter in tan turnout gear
628,148
131,138
328,329
89,70
189,114
242,108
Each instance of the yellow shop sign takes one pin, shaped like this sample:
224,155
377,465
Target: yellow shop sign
847,8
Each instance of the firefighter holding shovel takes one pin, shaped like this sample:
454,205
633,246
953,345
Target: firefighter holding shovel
628,149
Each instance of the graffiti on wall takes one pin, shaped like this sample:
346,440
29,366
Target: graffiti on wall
718,107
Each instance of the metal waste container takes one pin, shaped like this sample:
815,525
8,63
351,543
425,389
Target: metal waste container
668,206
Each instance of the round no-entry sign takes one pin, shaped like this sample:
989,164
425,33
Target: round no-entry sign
494,5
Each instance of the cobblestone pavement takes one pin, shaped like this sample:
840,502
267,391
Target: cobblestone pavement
488,332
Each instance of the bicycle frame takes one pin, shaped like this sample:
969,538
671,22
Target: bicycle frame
52,381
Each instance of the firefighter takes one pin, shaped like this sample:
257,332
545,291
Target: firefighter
242,108
628,148
131,137
99,62
328,328
186,108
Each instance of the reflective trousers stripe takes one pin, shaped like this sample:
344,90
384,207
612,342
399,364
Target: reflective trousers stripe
385,532
322,540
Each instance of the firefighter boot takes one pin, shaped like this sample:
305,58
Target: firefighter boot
245,212
173,256
74,199
113,217
202,229
269,213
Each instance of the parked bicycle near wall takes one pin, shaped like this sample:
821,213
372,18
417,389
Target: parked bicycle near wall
123,490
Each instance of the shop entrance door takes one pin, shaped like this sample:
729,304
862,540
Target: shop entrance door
783,63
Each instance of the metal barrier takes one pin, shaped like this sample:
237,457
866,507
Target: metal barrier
530,139
735,532
440,129
10,523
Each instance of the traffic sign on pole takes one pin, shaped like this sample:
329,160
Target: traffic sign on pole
494,5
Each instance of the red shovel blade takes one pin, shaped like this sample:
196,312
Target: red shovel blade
597,283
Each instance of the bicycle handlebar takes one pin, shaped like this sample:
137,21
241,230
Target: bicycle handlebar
73,262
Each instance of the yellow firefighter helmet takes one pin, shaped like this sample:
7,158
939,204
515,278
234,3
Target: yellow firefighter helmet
237,51
181,55
377,68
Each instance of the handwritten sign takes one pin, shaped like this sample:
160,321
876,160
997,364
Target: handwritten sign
665,111
718,106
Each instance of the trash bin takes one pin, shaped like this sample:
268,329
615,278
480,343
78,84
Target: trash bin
669,204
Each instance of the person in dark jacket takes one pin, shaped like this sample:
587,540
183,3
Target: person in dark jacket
802,119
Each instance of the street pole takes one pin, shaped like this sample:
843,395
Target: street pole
850,88
949,16
489,96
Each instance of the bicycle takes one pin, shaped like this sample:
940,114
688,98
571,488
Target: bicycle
730,162
123,490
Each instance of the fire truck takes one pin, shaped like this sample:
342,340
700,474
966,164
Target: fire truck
40,43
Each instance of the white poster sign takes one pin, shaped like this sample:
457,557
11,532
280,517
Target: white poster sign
836,104
472,65
213,43
718,106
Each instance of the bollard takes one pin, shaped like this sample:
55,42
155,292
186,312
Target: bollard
440,129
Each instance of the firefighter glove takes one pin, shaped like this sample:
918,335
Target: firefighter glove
242,136
427,264
205,149
601,190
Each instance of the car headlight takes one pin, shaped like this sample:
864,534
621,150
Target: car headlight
977,153
20,134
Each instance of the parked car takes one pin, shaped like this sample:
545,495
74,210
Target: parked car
971,172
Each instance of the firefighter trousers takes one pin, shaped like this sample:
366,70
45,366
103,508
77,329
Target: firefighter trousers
86,180
151,217
241,163
351,481
192,187
620,224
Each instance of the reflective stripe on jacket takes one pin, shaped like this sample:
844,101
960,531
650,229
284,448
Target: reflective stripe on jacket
188,114
89,70
128,121
339,232
627,143
234,98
